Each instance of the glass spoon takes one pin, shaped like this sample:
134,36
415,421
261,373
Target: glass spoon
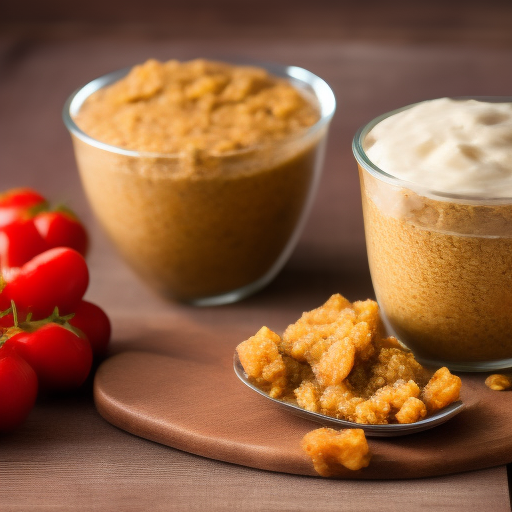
395,429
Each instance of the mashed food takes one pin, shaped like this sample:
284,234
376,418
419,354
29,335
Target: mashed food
335,360
198,106
223,172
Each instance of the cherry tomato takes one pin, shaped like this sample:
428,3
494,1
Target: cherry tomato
62,229
15,203
6,321
20,241
61,359
95,324
55,278
18,390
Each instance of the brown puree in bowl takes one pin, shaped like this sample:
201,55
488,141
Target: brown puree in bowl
442,272
189,107
214,206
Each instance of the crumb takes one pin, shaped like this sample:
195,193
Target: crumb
441,390
308,396
339,401
331,451
275,373
412,410
498,382
262,361
381,407
336,363
389,365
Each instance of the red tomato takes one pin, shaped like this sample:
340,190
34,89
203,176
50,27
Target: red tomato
95,324
20,241
18,390
61,359
55,278
62,229
16,202
6,321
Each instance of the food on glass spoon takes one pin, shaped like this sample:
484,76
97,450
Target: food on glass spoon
336,360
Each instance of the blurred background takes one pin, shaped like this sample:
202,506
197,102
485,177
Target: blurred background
398,21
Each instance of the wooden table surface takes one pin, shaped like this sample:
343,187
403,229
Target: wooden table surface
66,457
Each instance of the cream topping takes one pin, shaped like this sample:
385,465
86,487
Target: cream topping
452,146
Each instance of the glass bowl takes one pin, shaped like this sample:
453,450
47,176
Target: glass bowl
441,265
215,237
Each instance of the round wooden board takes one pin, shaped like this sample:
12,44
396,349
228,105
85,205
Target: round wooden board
199,406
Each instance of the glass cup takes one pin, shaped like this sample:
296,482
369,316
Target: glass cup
212,237
441,266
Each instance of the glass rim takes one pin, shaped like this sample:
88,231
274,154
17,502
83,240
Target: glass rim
364,162
322,91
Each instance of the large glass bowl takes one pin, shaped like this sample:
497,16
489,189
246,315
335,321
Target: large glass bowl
441,265
208,239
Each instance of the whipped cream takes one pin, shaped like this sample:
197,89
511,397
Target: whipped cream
452,146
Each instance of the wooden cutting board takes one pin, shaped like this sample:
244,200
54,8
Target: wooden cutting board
197,404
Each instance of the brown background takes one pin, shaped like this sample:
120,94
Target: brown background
400,21
377,56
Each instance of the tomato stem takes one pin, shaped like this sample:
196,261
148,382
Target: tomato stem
29,325
14,313
32,325
6,312
35,210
